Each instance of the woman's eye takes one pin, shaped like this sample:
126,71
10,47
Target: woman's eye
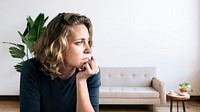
89,41
79,43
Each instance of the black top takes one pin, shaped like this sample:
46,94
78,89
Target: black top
39,93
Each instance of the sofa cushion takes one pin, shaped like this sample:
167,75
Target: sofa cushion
127,76
128,92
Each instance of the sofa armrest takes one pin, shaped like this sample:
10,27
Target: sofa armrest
160,87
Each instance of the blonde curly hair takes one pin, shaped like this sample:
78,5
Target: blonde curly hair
51,46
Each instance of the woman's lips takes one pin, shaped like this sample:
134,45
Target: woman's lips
85,59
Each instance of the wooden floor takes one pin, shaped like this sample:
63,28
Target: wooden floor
191,106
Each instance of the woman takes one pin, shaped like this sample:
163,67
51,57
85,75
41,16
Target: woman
63,76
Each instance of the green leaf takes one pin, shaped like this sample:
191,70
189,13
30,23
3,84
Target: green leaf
20,46
29,43
30,22
28,26
38,25
18,67
16,52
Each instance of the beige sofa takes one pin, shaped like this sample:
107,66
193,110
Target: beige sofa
131,85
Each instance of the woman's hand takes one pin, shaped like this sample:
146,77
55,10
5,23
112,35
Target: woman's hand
88,69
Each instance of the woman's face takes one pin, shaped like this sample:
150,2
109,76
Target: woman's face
78,49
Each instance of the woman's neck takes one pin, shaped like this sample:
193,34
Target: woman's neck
66,73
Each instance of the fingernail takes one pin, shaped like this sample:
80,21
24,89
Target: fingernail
92,57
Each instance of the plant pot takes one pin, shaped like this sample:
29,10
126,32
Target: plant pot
183,89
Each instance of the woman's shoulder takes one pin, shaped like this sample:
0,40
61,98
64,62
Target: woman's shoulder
32,61
32,65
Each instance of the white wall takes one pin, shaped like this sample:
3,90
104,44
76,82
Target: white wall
138,33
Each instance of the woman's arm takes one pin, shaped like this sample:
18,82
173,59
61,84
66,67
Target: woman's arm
83,100
94,83
83,97
29,89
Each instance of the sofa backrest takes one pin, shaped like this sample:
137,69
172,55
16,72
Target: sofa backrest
127,76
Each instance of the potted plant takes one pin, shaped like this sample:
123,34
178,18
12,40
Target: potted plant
32,32
184,88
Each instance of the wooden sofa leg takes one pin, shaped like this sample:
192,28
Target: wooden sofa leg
153,108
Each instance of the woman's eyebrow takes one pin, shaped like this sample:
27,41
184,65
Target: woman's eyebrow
82,39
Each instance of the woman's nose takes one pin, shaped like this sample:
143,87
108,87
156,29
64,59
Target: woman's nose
87,49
